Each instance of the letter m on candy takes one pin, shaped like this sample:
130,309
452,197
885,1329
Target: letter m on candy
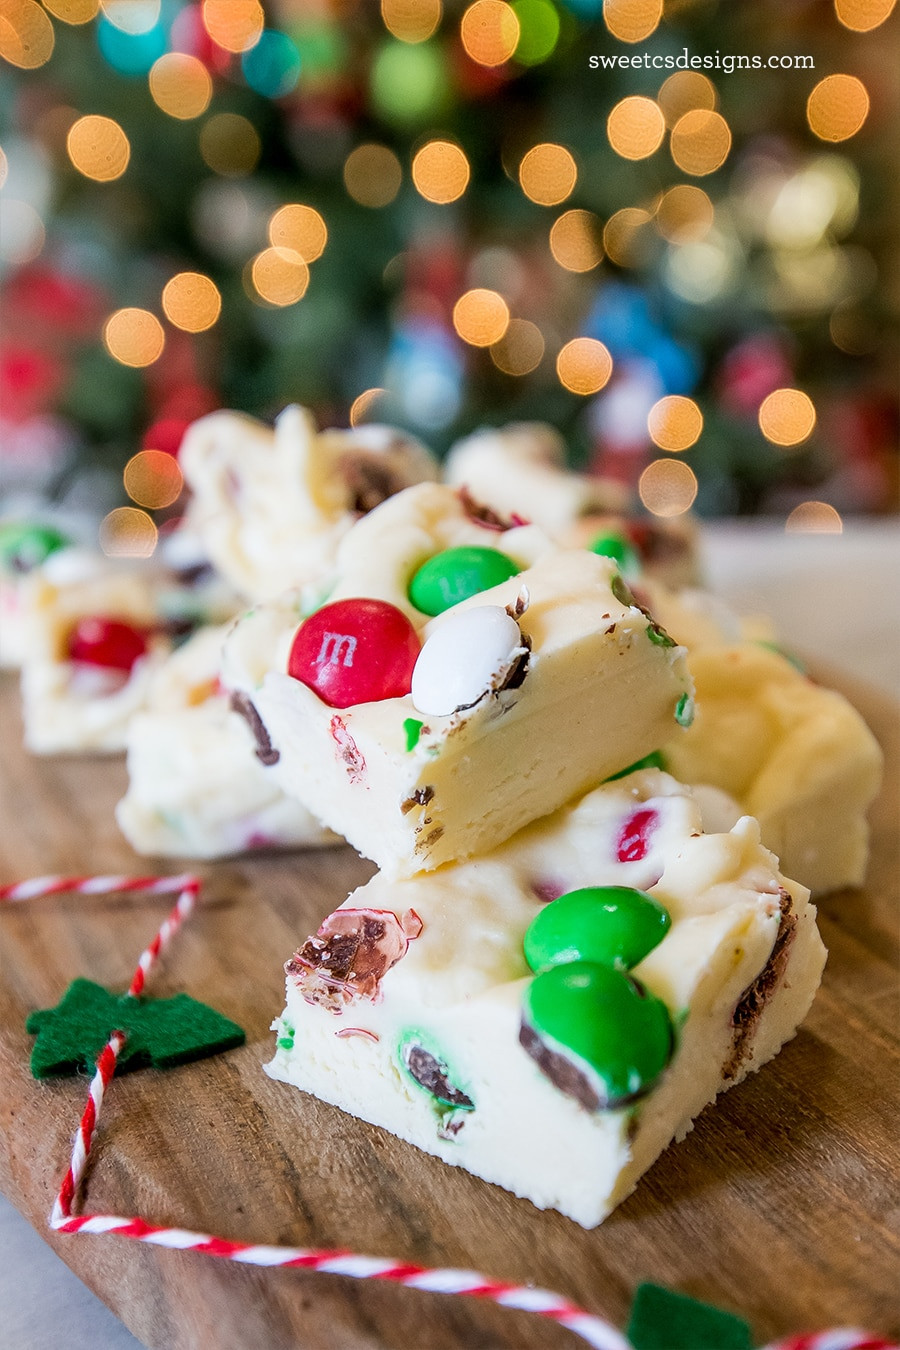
333,644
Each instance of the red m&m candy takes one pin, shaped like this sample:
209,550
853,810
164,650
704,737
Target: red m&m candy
106,642
355,651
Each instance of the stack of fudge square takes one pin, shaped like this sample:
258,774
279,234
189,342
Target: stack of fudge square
573,774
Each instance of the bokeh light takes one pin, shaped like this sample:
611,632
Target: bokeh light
837,107
481,317
134,17
230,145
863,15
272,65
538,30
301,228
700,142
489,31
623,235
852,331
411,20
279,276
684,214
409,83
576,240
22,233
134,337
98,148
584,365
372,175
668,487
235,25
4,166
191,301
684,92
675,423
520,350
181,85
128,44
787,417
26,34
635,127
153,479
548,174
127,533
632,20
75,12
365,405
814,518
440,171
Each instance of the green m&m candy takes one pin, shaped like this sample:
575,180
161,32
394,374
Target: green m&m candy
615,925
615,547
24,546
596,1033
455,574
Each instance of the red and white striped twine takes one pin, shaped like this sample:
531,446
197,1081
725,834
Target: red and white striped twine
443,1280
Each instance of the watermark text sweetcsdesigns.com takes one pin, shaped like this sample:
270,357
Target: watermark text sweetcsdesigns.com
723,61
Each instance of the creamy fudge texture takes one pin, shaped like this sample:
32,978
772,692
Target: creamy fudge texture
409,1008
272,506
198,786
593,686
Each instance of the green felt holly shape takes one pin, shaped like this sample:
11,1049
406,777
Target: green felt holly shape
663,1320
162,1032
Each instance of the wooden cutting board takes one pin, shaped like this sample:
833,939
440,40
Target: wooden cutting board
782,1204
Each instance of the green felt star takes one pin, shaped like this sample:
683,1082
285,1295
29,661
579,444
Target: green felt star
162,1032
663,1320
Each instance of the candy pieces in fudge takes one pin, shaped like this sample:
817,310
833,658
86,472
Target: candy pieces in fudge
552,1015
272,506
425,739
520,470
25,546
198,786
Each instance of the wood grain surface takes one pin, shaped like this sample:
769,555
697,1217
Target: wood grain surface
782,1204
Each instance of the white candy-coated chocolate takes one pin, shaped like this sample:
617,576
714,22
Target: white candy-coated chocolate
465,658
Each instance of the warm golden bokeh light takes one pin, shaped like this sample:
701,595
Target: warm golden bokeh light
548,174
26,34
814,518
584,365
481,317
411,20
683,92
837,107
490,32
300,228
98,148
668,487
635,127
622,234
192,302
576,240
440,171
364,404
700,142
787,417
684,214
134,337
372,175
235,25
632,20
863,15
153,479
279,276
180,85
74,12
22,232
127,533
230,145
520,350
675,423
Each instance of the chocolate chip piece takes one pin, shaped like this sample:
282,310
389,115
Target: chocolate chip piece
421,797
752,1002
431,1074
265,750
561,1071
349,956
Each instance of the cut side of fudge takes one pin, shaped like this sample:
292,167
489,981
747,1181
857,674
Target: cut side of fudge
581,992
521,696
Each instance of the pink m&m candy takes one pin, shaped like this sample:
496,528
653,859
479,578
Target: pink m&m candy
107,643
355,651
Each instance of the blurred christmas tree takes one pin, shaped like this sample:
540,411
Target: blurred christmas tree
456,215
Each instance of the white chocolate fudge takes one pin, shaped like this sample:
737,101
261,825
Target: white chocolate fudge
197,786
272,506
414,1007
496,735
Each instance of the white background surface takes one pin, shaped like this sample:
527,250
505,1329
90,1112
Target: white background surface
835,598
